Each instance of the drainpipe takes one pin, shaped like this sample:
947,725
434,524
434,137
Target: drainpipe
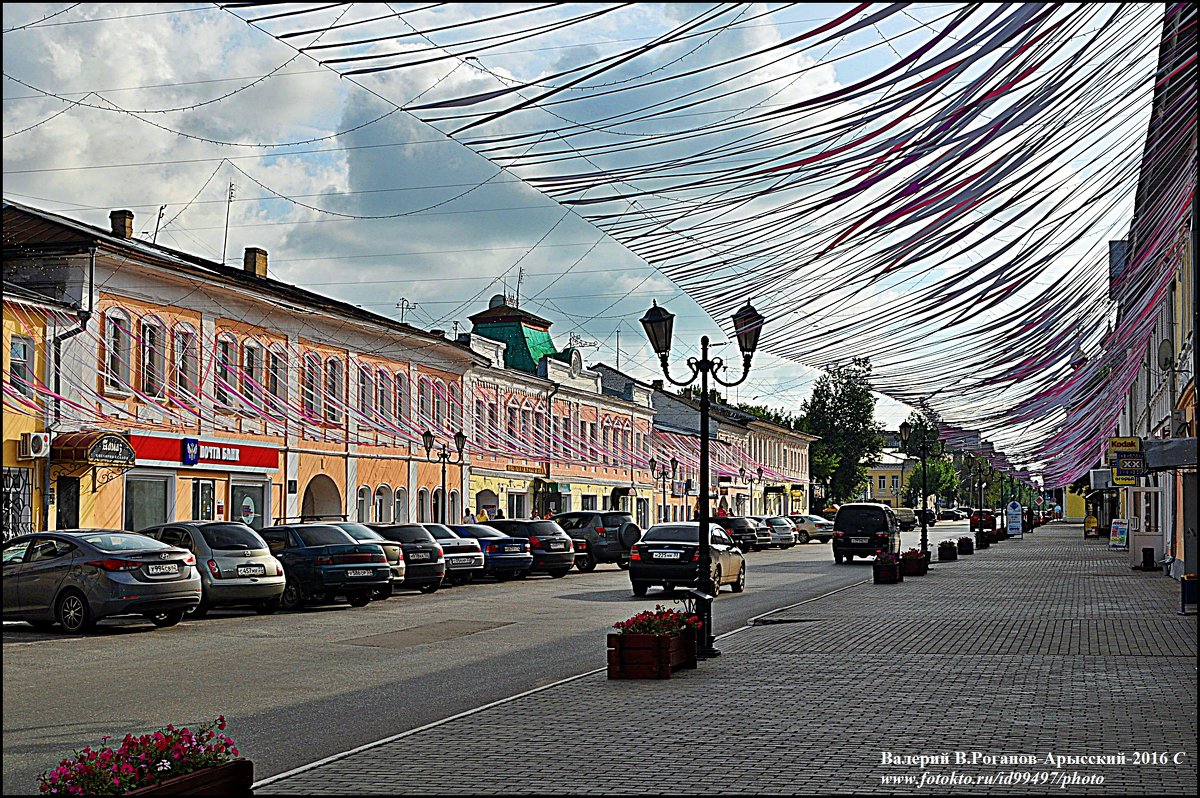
83,315
550,429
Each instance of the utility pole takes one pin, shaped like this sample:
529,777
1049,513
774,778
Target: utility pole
228,204
404,306
162,209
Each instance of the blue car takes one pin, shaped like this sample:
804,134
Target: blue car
321,562
504,557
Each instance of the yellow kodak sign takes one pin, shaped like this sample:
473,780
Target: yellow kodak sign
1124,445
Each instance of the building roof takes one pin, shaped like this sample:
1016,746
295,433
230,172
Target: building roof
526,337
29,231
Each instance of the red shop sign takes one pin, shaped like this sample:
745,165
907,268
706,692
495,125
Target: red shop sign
197,451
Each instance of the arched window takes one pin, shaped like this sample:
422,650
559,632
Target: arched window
481,427
539,432
400,516
439,404
607,440
187,361
277,379
118,351
383,505
514,423
385,394
456,407
310,387
252,370
335,378
366,393
154,358
364,504
527,426
226,361
423,506
424,401
455,513
402,410
437,508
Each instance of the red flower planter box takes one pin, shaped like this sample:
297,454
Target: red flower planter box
228,778
637,656
914,567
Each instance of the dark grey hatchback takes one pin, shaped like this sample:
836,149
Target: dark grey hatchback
552,549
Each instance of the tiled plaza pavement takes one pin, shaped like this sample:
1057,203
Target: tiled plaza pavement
1049,645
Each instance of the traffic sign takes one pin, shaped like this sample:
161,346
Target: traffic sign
1039,501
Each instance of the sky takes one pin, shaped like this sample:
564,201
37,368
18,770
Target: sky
142,106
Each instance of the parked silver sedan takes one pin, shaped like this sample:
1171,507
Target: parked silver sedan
809,527
783,532
78,577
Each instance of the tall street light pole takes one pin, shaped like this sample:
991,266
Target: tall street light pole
747,325
750,480
460,443
905,432
663,474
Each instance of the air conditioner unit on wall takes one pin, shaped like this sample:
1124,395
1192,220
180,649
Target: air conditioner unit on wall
34,445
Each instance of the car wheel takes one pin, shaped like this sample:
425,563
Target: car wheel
586,562
164,619
560,573
623,564
431,588
825,540
199,611
640,588
292,598
837,558
801,537
267,607
716,582
521,574
73,613
849,558
740,584
360,599
383,593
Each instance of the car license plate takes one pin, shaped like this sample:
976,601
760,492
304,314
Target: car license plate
251,570
158,569
419,555
555,545
358,572
860,540
666,555
512,548
460,560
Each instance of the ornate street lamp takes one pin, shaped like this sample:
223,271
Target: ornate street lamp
663,475
747,325
905,432
460,443
751,481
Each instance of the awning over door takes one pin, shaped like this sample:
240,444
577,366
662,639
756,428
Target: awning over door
97,447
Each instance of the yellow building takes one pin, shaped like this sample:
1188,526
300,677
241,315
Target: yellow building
885,480
27,316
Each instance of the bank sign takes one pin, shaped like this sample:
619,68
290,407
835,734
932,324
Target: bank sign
196,452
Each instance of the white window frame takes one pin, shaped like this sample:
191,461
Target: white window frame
28,368
335,378
153,358
225,358
253,368
118,352
277,379
187,361
312,388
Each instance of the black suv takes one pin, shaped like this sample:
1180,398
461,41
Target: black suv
551,547
600,536
865,529
744,531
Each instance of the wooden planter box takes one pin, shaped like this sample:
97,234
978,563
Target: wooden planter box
917,567
981,541
947,552
966,547
650,656
887,574
230,778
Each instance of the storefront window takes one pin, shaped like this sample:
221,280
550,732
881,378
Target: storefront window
204,494
248,504
145,502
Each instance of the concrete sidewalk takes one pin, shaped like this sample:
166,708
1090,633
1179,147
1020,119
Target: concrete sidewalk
1044,647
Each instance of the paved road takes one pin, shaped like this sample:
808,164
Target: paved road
299,687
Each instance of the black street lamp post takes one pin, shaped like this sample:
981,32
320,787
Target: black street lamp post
460,443
750,480
747,325
905,431
664,475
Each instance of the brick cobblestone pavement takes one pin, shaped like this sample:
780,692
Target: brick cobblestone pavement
1051,645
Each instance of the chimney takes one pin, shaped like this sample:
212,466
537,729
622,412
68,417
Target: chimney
122,223
255,261
656,385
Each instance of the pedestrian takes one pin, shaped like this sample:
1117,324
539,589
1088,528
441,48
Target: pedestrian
468,516
483,515
499,513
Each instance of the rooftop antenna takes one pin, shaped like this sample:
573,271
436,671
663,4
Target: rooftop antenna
404,306
163,209
228,203
520,274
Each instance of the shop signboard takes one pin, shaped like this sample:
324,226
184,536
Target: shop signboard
1091,527
1014,514
1118,536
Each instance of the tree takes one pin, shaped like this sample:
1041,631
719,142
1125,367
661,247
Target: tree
941,478
841,411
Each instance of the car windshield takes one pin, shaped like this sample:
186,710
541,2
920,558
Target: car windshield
359,531
441,532
323,536
573,521
545,528
672,533
123,542
479,531
230,537
860,517
409,533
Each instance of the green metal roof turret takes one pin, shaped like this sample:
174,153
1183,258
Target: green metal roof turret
526,337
